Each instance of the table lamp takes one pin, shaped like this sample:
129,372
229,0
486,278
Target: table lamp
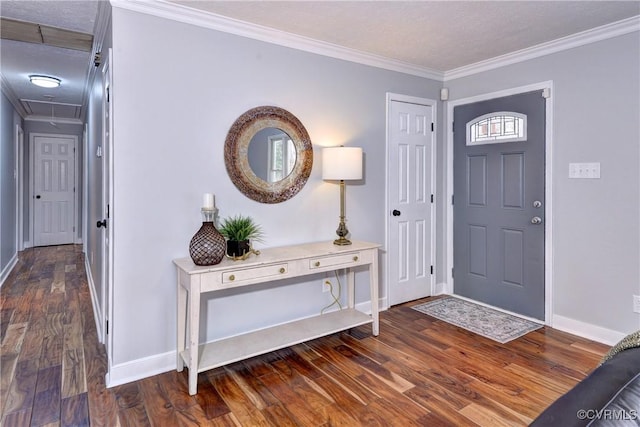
342,164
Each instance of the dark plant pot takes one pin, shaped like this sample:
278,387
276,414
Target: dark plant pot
236,248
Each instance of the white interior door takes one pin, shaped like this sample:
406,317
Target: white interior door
410,195
53,189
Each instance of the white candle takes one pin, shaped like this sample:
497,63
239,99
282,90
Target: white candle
209,201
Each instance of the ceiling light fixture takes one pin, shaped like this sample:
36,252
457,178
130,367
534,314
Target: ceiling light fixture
44,81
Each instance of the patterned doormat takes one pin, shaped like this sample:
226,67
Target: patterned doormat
489,323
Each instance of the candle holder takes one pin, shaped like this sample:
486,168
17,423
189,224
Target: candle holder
208,246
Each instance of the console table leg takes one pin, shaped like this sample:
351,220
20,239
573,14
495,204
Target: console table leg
182,314
373,273
194,332
351,288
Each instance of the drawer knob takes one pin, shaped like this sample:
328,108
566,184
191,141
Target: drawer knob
317,263
232,277
282,270
355,258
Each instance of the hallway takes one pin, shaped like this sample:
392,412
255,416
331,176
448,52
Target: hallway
51,357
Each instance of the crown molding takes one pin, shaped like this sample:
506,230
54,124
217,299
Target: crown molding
213,21
604,32
221,23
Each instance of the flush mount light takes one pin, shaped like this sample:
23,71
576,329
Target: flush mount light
44,81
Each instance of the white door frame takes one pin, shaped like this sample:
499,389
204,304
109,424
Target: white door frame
548,235
32,165
434,114
19,180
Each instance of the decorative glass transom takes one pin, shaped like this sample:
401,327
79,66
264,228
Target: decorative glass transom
499,127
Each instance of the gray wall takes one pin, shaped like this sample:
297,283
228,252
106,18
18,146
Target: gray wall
170,126
8,201
170,123
596,236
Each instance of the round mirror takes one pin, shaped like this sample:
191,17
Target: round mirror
268,154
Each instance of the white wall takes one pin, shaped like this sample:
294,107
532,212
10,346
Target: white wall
177,89
596,235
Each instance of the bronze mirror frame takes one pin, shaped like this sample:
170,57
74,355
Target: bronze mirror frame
236,157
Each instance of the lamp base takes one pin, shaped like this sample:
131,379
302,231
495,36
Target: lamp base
342,241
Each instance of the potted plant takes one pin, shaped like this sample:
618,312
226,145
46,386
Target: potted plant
239,230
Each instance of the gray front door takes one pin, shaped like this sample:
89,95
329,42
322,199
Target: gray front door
498,231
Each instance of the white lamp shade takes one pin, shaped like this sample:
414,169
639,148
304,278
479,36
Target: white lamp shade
342,163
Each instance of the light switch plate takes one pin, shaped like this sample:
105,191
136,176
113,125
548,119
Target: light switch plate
584,170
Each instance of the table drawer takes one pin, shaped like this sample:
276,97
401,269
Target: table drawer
335,260
255,273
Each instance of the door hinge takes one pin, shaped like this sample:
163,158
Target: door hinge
108,94
108,211
74,228
432,127
107,326
451,272
453,127
432,269
452,199
432,198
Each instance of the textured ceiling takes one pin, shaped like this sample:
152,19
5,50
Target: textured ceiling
19,59
437,35
432,35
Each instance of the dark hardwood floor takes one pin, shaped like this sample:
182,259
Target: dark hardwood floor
419,371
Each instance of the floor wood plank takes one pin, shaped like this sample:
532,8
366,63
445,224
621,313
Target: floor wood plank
419,371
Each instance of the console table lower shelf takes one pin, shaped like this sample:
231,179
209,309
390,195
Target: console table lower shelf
272,265
229,350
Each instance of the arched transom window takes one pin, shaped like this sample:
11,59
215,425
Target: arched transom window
498,127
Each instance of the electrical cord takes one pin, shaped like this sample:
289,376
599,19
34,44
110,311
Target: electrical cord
335,299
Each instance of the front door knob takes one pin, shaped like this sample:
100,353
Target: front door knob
395,212
536,220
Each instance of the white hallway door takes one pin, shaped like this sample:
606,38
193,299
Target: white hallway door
54,189
410,192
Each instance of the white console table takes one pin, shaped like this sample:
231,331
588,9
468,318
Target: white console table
272,264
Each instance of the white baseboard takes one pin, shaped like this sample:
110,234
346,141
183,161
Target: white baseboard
586,330
140,368
440,289
7,270
97,313
365,307
160,363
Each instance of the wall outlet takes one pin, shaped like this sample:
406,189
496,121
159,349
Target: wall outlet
326,285
636,304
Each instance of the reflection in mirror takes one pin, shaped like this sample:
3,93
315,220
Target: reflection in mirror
272,154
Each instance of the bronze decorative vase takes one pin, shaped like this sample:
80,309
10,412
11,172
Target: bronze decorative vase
208,246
